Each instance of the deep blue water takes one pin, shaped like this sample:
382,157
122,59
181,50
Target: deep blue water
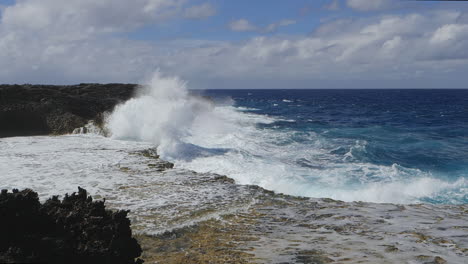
421,130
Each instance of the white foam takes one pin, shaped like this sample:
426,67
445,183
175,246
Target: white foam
113,169
270,159
162,113
57,165
241,108
226,140
164,201
89,128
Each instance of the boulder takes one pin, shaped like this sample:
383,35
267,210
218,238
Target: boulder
73,230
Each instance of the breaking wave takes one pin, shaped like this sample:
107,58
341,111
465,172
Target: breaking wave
199,135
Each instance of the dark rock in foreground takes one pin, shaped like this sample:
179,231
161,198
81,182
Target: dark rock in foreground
75,230
27,110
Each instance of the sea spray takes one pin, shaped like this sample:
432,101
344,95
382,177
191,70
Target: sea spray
280,153
163,112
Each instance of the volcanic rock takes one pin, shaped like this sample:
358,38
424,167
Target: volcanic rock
74,230
27,110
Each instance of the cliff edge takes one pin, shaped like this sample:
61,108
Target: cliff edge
27,110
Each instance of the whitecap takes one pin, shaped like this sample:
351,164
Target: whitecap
226,140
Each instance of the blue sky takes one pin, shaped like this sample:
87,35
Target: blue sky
216,27
308,14
237,44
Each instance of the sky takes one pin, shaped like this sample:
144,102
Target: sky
237,44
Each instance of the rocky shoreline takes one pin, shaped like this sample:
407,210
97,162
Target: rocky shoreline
73,230
181,216
27,110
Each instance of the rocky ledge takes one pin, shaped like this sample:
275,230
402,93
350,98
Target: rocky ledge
74,230
27,110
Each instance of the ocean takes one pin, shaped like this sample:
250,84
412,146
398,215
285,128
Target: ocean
401,146
393,162
395,146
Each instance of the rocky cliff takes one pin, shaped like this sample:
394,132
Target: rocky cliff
48,109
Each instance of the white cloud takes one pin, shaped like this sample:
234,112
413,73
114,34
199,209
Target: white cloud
333,5
283,23
71,44
286,22
59,41
369,5
2,7
87,16
201,11
395,48
241,25
450,33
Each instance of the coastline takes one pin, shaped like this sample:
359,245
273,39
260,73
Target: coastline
278,228
181,216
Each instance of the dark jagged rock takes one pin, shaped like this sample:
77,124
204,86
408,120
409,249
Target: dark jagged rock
47,109
74,230
161,165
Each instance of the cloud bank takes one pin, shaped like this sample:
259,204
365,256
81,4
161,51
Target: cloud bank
52,41
371,5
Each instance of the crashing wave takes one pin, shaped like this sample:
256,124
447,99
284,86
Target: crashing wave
197,135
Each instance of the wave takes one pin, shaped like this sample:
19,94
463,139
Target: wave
275,162
162,113
223,139
241,108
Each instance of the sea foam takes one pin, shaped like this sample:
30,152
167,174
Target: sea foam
198,135
161,113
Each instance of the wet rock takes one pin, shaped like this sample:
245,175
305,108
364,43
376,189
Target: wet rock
47,109
223,178
156,163
391,248
72,230
312,256
161,165
149,153
437,260
92,128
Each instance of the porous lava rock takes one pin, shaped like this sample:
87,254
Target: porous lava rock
73,230
27,110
